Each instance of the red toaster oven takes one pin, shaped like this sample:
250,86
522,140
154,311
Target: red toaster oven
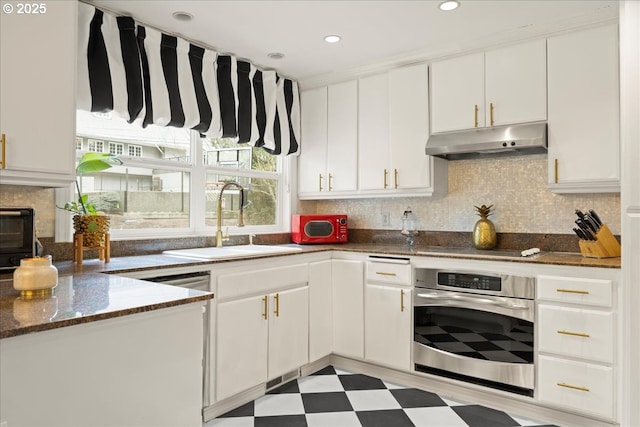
308,229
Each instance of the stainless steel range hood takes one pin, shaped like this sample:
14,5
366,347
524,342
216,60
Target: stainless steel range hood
530,138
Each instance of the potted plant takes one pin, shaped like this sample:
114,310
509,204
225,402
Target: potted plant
93,225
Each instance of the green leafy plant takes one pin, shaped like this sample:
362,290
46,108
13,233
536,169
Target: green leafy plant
90,163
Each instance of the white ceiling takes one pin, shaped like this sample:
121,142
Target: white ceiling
375,34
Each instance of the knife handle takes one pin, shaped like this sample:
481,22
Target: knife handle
595,216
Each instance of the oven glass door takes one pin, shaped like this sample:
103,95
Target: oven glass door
16,231
474,333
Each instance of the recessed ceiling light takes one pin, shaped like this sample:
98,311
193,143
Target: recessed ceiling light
449,5
332,39
275,55
182,16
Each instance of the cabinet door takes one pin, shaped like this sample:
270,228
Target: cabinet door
348,317
388,326
583,387
409,127
457,88
313,150
373,133
37,82
241,351
320,313
288,331
584,137
516,84
342,137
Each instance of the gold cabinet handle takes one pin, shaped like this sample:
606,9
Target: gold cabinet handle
3,162
475,116
491,113
265,305
572,291
319,182
573,387
330,178
575,334
383,273
277,299
386,174
401,300
556,171
395,178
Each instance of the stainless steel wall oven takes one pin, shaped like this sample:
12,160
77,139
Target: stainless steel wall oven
475,327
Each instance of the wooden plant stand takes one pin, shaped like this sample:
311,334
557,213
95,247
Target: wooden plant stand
104,252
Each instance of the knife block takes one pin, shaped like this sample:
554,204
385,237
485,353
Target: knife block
606,245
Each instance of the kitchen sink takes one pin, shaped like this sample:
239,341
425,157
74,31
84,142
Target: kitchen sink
226,252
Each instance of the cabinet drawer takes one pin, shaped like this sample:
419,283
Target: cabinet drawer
580,386
576,290
261,281
575,332
387,272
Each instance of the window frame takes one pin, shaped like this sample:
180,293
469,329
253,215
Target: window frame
198,172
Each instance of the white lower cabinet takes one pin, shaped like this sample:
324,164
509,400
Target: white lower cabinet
262,336
388,326
576,344
387,313
320,312
584,387
347,277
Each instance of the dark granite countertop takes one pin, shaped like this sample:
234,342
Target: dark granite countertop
84,294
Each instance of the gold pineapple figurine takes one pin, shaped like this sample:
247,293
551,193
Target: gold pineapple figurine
484,232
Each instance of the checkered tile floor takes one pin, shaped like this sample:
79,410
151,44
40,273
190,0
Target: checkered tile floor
335,398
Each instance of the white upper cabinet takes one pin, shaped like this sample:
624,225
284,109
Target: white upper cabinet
312,162
457,93
497,87
373,129
37,81
329,143
409,131
393,127
584,117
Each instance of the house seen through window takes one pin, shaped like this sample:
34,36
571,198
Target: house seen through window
171,179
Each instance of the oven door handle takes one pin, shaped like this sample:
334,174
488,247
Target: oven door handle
475,300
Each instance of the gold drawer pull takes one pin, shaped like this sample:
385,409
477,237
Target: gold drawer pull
491,113
330,178
277,310
382,273
395,179
575,334
572,291
401,300
573,387
264,301
386,174
320,183
556,170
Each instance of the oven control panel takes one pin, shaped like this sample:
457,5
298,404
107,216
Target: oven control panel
470,281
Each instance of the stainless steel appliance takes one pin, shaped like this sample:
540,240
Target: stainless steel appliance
17,236
475,327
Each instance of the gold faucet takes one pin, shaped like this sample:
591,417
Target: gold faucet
219,237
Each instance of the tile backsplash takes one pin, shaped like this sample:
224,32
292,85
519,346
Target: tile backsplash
515,186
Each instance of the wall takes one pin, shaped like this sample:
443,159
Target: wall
516,186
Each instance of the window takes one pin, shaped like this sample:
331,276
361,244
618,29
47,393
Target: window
95,145
171,180
78,144
135,151
116,148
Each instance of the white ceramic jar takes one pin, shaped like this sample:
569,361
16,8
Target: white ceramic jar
35,276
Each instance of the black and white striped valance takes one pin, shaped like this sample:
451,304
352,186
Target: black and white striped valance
149,77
